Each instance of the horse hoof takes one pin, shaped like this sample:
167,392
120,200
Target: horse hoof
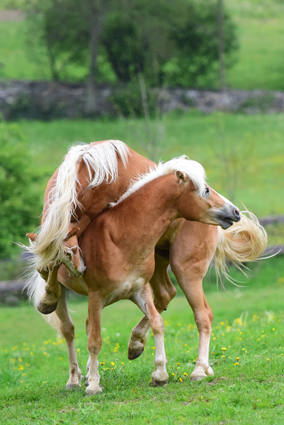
155,383
46,308
94,391
134,354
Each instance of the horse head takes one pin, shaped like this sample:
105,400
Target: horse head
204,204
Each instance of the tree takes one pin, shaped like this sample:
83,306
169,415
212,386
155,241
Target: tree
220,28
137,41
71,31
19,197
202,42
173,43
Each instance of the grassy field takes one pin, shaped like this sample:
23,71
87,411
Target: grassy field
242,155
259,62
246,352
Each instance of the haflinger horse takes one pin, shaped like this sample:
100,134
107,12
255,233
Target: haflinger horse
90,178
118,248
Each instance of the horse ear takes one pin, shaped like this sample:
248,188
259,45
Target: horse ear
32,236
180,175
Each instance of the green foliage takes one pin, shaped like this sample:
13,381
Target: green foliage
196,42
137,40
18,195
120,40
259,65
137,36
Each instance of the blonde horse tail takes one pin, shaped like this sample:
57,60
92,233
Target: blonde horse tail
36,290
101,162
243,242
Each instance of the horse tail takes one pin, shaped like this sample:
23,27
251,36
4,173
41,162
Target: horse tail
36,290
243,242
101,162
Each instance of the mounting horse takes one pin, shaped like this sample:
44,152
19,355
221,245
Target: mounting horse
122,263
90,178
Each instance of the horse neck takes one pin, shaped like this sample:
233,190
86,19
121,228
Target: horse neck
147,213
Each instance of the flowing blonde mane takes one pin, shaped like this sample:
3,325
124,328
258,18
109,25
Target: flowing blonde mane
101,162
193,169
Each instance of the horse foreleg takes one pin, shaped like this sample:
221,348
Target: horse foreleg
94,344
74,262
143,299
163,291
66,328
49,301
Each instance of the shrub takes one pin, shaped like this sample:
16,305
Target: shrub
19,197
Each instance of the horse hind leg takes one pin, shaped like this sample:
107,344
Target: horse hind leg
144,300
203,315
66,328
94,344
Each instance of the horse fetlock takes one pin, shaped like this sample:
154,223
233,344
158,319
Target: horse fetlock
201,372
159,377
74,380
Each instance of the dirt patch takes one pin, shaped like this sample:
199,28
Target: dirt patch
11,15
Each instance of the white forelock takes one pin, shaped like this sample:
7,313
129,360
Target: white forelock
193,169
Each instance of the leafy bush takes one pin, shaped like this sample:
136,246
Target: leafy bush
19,197
196,60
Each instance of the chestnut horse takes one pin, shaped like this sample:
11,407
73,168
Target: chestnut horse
91,177
118,248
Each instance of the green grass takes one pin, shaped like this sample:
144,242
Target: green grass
18,58
260,27
242,155
246,352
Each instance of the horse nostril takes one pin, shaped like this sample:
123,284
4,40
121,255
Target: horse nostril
237,213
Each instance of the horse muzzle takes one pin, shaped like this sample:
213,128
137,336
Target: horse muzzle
227,215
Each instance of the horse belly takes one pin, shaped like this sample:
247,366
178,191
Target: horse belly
126,289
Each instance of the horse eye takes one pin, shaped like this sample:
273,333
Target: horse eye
207,191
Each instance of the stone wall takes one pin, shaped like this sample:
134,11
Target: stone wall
49,100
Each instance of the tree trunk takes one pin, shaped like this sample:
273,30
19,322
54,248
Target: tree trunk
220,29
97,12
